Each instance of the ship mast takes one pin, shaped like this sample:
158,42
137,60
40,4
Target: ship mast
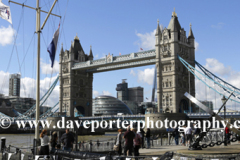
38,71
38,31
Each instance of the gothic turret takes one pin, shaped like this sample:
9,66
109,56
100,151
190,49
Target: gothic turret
158,31
76,50
174,24
90,57
61,52
174,27
191,36
71,47
158,34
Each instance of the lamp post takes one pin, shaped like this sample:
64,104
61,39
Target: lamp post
225,138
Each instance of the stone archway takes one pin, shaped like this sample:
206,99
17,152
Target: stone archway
79,111
167,110
183,106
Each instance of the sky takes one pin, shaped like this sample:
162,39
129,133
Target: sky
119,27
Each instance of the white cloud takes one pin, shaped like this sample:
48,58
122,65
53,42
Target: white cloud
47,69
196,45
216,67
103,56
147,40
6,35
224,72
132,73
95,93
28,88
96,56
107,93
218,26
4,82
146,76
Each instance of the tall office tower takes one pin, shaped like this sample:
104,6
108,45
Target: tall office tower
122,90
14,85
132,97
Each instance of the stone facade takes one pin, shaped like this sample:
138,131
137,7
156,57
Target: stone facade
75,86
172,75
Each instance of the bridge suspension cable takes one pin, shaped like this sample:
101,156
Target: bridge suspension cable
29,112
50,111
219,82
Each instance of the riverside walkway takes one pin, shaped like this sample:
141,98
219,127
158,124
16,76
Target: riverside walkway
234,148
182,153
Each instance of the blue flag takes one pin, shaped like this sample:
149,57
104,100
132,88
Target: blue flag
52,48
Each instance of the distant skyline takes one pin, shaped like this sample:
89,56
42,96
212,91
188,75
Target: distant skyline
119,27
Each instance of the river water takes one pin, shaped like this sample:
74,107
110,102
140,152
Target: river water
26,140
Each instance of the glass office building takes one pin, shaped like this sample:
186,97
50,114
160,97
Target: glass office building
108,105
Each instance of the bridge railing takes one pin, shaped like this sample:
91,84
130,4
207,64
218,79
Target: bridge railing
163,139
220,114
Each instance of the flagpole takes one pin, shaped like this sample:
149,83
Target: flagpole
38,70
38,31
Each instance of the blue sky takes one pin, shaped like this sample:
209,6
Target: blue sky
121,26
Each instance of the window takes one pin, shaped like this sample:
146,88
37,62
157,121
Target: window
81,82
167,101
165,37
165,48
76,56
166,84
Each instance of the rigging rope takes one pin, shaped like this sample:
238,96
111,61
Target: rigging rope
62,30
23,53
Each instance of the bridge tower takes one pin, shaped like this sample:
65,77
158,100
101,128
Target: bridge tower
172,77
75,85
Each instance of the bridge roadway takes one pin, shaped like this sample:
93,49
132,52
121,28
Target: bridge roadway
142,117
111,62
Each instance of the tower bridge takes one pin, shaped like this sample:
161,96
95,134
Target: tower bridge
174,58
173,79
111,62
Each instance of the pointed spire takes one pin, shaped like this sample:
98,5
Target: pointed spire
76,37
62,49
174,24
174,14
90,53
190,35
71,47
158,31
